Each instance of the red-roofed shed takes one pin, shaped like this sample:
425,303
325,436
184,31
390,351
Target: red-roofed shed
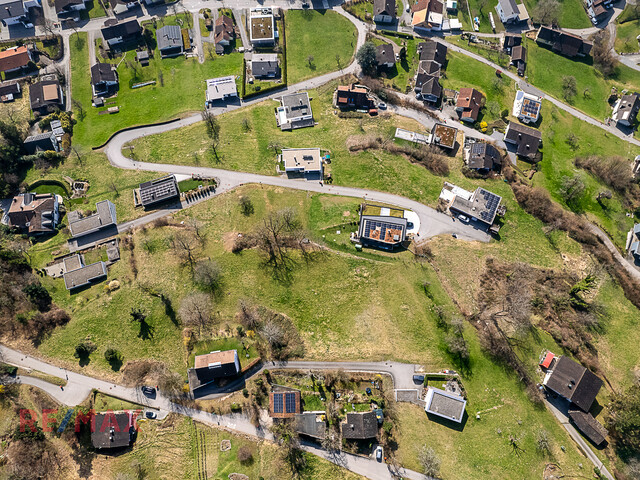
546,359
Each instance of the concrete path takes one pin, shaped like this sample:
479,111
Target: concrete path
91,39
198,36
237,15
79,387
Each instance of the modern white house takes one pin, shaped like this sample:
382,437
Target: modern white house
511,12
302,162
526,107
262,26
220,89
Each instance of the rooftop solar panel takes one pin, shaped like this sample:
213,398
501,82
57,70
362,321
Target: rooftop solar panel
277,403
290,402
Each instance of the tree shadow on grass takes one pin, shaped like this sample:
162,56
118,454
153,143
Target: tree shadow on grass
116,363
146,330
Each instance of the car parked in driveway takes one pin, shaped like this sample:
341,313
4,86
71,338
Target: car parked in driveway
382,106
148,391
463,218
151,415
378,453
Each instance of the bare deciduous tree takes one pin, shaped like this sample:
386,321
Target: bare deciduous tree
429,461
213,129
185,246
195,310
207,274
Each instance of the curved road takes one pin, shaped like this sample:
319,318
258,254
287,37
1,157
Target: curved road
80,386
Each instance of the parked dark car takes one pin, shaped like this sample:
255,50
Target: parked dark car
149,391
418,379
151,415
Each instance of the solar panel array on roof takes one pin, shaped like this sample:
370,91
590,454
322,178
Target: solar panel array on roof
491,201
158,190
290,402
277,404
530,107
377,230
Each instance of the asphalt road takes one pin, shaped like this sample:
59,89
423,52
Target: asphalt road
80,386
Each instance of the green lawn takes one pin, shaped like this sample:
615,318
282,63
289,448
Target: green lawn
630,12
324,34
179,88
546,69
225,343
400,76
572,13
95,9
627,37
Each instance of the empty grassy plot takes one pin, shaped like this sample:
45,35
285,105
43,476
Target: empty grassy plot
18,111
328,37
627,37
179,88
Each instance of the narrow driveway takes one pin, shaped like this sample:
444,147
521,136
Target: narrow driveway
237,14
198,36
79,386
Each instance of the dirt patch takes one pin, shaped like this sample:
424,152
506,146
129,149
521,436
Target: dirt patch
228,240
552,472
346,213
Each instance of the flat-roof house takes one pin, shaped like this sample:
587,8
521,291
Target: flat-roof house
483,157
564,43
284,403
311,424
15,58
262,30
218,364
78,275
305,162
42,142
626,109
480,206
360,426
33,213
519,59
353,96
294,111
469,103
9,91
511,40
380,231
104,79
526,107
46,96
432,51
69,8
574,382
158,191
169,40
444,136
445,404
223,33
113,430
526,139
384,11
220,89
104,217
265,65
117,33
12,11
385,56
589,426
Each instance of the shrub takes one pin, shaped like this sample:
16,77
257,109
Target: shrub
84,349
245,454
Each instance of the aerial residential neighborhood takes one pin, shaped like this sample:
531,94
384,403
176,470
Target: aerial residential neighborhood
330,239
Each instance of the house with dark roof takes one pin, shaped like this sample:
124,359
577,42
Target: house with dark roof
511,40
432,51
118,33
445,404
104,79
564,43
427,81
104,218
360,426
384,11
385,56
626,109
353,97
284,403
160,190
589,426
526,139
210,368
294,111
78,275
12,11
66,9
14,58
469,103
42,142
223,33
46,96
34,214
597,10
169,40
480,206
574,382
311,424
10,91
519,59
482,157
113,430
265,65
